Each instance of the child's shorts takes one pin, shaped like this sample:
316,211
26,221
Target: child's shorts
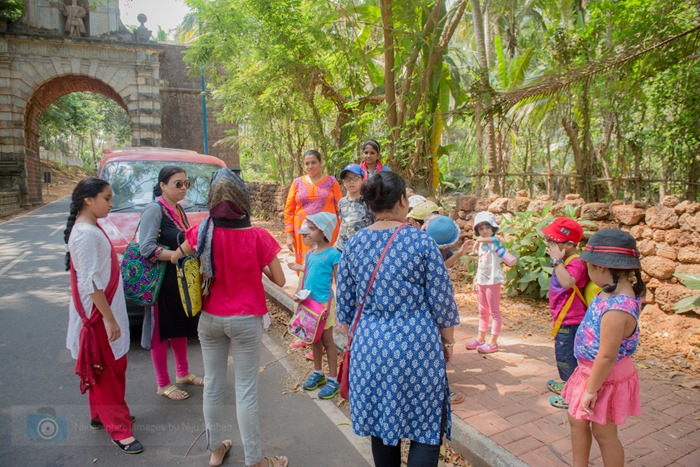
618,397
330,321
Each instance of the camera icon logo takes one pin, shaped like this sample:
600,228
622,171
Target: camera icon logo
45,425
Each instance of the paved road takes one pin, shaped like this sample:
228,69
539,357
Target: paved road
40,392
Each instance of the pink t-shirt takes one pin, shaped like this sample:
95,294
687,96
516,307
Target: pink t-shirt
239,258
558,295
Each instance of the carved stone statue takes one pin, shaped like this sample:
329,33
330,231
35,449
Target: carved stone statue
74,18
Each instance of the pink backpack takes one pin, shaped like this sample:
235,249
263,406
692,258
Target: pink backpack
309,319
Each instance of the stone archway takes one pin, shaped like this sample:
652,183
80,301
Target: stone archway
38,64
39,70
44,96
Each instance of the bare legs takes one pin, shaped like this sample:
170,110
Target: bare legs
326,342
582,434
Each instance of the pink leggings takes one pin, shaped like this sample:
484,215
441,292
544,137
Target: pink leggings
159,355
489,297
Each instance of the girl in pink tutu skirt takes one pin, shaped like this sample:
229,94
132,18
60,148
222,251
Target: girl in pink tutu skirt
604,389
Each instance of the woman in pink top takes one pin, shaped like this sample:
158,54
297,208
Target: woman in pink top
234,255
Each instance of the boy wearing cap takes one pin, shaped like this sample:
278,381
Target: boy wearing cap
354,214
568,271
417,216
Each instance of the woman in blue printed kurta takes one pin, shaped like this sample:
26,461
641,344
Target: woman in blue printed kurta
398,383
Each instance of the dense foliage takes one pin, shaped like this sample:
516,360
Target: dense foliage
81,125
461,92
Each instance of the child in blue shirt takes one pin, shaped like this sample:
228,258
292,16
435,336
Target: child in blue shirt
321,266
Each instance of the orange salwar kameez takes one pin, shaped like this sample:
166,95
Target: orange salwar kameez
306,198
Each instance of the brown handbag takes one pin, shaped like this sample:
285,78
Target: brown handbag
344,369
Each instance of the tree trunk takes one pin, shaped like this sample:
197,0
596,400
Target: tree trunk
390,93
485,95
571,129
479,137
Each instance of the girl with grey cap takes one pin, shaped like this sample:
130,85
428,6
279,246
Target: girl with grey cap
604,388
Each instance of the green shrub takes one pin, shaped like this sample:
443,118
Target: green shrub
530,275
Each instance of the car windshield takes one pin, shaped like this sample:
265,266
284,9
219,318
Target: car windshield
133,181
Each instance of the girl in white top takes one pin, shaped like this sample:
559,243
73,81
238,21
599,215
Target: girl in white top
487,283
98,328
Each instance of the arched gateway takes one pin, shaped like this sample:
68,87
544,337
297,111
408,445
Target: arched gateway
39,63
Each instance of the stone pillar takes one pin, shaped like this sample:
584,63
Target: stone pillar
144,102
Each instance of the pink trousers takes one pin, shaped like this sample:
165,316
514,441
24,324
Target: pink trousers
489,297
159,355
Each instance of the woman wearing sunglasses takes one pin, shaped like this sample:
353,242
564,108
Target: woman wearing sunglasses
163,226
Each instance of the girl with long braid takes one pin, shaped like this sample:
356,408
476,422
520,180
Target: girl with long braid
98,327
604,388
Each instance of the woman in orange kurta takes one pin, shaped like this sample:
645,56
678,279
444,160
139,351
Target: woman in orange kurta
310,194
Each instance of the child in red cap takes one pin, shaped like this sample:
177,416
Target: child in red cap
568,272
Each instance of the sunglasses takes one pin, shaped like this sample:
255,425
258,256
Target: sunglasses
180,183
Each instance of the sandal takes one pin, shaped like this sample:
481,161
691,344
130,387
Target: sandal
555,386
174,393
134,447
227,444
192,380
276,461
473,344
456,397
558,402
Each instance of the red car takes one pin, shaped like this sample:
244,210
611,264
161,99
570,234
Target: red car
133,172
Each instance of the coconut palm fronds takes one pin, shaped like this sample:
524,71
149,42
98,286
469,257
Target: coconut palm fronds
551,84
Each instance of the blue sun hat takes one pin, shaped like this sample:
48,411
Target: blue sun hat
443,230
324,221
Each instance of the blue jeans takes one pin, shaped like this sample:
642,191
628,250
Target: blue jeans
240,335
564,351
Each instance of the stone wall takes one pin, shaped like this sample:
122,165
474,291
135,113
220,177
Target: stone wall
9,204
267,199
668,234
181,101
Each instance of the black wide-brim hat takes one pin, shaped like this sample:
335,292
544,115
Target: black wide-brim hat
612,248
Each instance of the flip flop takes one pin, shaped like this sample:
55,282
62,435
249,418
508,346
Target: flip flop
192,380
555,386
227,444
276,461
170,390
456,397
558,402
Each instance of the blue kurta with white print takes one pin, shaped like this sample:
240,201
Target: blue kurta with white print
398,383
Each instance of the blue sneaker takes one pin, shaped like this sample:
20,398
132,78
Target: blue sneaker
315,380
330,390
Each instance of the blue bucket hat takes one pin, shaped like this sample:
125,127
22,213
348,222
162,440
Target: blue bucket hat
352,168
443,230
324,221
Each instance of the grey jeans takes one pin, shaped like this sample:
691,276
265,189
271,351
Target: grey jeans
241,335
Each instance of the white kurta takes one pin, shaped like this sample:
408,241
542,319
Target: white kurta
90,252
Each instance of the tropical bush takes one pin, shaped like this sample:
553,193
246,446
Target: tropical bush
523,237
530,275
